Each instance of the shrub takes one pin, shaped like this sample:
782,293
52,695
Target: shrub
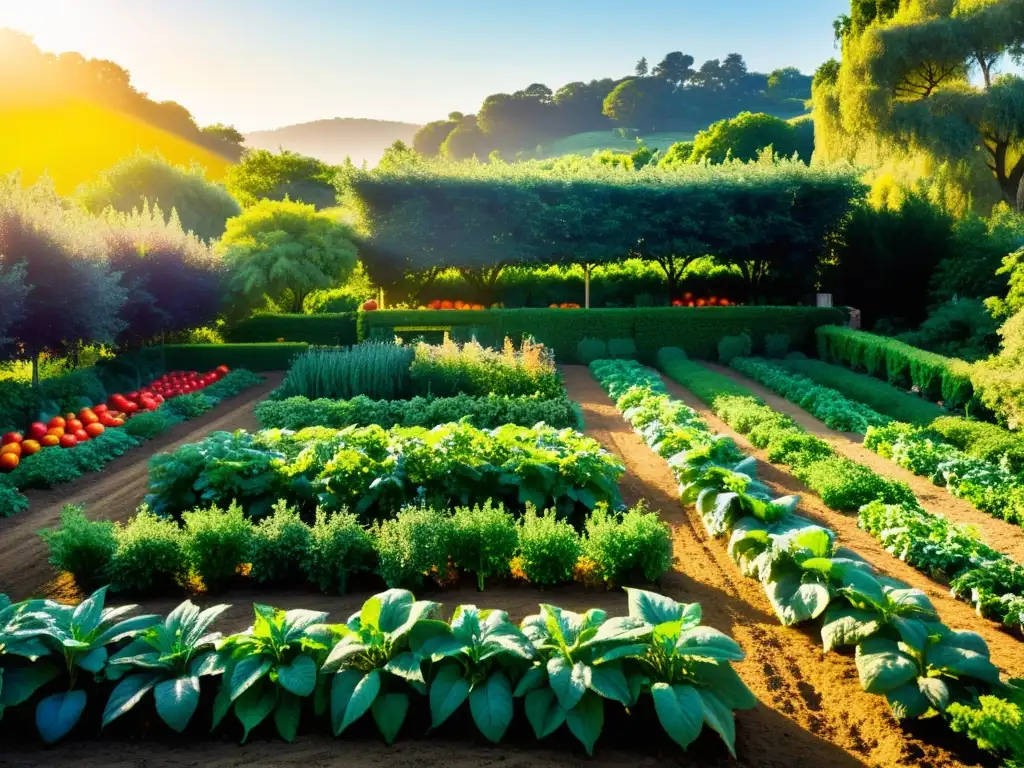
82,547
46,469
416,543
150,556
148,425
548,548
449,368
11,501
846,486
328,330
376,370
730,347
339,547
216,542
484,540
981,440
879,395
190,406
254,357
628,547
622,348
589,350
776,345
279,547
236,382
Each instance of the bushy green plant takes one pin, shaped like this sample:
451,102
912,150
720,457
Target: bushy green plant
622,348
377,370
416,544
982,440
279,546
450,368
846,485
589,350
152,423
234,383
82,547
704,383
995,722
11,501
215,542
339,547
46,469
150,554
776,345
548,548
484,540
191,405
740,345
629,547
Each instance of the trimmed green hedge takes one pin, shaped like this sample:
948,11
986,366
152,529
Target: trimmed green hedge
937,377
697,331
329,330
255,357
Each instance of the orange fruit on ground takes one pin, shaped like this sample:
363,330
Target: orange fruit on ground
9,461
50,441
57,421
68,441
94,430
73,425
87,417
14,448
57,432
29,447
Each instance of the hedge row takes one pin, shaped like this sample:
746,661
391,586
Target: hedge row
255,357
325,330
697,330
938,378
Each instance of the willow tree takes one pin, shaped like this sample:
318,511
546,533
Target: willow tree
923,81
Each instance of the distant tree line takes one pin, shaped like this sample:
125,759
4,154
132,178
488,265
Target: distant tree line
674,95
30,71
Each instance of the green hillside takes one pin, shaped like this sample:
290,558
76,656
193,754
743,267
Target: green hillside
593,141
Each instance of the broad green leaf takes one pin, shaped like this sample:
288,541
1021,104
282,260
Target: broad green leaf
342,686
846,626
389,712
207,664
363,696
299,677
491,706
961,638
407,666
726,683
620,628
680,711
860,585
719,718
815,539
534,678
568,682
88,614
586,719
254,706
609,681
448,691
126,628
882,666
126,694
395,605
58,713
963,663
246,673
655,609
176,701
914,633
369,615
221,705
936,691
419,610
822,565
93,661
298,620
287,714
795,601
709,643
621,652
18,684
907,701
544,712
342,652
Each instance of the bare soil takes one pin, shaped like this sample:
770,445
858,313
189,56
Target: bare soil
1005,537
812,710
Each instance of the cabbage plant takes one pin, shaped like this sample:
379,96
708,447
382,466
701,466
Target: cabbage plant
21,672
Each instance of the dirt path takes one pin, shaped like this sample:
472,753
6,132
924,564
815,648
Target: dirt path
1002,536
112,494
813,713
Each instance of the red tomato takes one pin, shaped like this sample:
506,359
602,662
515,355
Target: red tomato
37,430
57,421
81,435
369,306
94,430
73,425
101,408
14,448
11,437
68,441
118,423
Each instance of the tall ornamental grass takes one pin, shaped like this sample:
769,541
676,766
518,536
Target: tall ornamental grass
450,368
377,370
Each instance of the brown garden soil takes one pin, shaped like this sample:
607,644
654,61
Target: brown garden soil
812,711
1005,537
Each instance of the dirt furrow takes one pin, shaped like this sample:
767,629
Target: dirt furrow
1006,537
111,494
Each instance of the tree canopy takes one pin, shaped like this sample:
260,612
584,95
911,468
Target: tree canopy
275,176
202,206
283,251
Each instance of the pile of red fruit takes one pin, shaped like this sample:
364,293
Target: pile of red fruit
71,429
445,304
713,301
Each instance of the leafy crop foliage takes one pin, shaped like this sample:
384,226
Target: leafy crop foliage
375,471
218,548
392,654
376,370
485,412
903,651
450,368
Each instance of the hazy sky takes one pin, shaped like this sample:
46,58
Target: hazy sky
268,63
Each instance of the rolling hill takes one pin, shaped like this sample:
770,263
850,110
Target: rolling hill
72,140
335,139
595,141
